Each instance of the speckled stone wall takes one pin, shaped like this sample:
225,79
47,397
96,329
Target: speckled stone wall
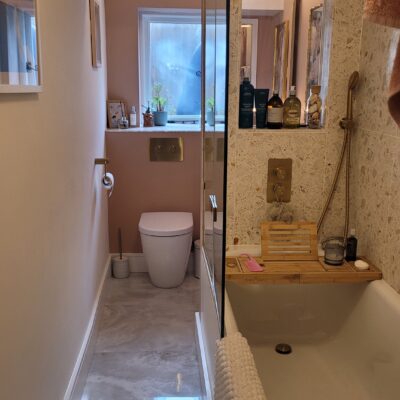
314,153
375,196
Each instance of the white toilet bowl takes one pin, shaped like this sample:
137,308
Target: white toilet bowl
166,241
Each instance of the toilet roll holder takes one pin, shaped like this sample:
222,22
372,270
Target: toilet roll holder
101,161
106,180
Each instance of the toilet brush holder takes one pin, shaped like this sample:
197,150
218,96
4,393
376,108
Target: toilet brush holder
120,267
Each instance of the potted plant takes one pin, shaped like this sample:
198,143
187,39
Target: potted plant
159,102
211,111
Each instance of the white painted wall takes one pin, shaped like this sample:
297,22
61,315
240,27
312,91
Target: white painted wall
53,214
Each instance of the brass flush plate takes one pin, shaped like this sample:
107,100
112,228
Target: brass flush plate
279,186
166,149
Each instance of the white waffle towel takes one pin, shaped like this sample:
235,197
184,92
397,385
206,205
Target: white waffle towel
236,373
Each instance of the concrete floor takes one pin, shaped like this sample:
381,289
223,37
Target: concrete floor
146,347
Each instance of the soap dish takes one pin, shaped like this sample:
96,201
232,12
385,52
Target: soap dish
361,265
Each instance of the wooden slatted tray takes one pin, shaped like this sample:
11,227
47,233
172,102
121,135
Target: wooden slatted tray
296,241
283,272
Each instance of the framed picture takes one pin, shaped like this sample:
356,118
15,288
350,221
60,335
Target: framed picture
20,60
314,54
115,111
95,32
281,51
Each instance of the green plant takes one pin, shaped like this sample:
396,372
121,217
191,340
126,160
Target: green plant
159,101
211,103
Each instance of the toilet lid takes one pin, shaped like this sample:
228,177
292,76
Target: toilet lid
166,223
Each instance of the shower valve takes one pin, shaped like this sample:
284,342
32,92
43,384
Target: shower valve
279,184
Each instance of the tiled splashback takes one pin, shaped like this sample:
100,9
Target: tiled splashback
375,184
376,153
314,153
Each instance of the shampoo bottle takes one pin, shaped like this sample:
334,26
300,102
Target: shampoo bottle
351,246
246,104
261,100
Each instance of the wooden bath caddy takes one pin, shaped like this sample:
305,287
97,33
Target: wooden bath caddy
290,255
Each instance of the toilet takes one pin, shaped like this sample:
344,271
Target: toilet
166,241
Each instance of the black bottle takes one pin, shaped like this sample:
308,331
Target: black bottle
275,112
351,246
246,104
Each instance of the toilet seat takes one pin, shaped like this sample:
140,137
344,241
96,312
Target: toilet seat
164,224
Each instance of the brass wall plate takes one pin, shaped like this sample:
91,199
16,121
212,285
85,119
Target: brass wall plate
279,186
166,149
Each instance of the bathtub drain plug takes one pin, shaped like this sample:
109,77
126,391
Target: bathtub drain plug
283,348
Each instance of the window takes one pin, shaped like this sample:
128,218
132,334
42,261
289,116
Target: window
170,55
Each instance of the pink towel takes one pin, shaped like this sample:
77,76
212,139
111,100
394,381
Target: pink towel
387,12
252,264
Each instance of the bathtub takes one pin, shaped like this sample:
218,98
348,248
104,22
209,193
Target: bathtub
345,338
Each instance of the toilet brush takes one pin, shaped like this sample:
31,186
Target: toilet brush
120,265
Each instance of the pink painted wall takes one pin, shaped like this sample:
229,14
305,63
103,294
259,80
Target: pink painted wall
144,186
265,50
122,44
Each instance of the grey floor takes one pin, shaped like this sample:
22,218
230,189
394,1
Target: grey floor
145,347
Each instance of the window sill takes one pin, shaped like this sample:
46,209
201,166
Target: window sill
175,128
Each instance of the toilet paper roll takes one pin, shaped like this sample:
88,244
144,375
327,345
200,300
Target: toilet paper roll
108,182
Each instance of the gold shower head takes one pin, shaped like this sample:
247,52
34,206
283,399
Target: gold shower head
353,82
354,79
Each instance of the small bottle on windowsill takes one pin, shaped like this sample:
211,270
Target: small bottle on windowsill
132,117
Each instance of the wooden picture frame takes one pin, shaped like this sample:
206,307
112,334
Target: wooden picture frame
281,53
95,33
116,109
25,52
315,48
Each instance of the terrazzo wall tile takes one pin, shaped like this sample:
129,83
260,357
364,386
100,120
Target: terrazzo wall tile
376,61
233,115
344,56
371,193
375,160
391,266
344,59
314,154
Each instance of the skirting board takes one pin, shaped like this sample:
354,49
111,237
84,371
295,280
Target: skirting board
137,262
81,368
205,380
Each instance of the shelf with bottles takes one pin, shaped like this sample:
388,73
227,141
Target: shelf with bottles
283,131
255,106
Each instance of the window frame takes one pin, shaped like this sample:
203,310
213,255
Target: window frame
159,15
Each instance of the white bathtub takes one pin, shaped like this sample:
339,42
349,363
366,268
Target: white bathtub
345,339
